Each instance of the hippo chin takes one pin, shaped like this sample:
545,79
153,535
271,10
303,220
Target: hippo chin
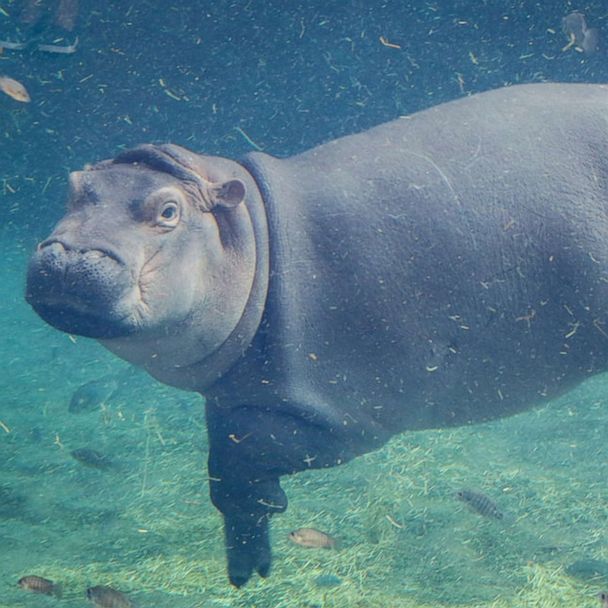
446,268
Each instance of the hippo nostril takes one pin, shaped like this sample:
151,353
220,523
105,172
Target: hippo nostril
93,254
51,245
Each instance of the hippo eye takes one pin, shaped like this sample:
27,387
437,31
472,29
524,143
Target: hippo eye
169,214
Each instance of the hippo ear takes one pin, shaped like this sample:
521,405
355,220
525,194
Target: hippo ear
75,180
76,185
227,194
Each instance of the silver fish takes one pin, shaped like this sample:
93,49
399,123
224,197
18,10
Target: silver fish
312,539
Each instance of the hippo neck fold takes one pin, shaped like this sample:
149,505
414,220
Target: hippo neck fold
206,371
210,368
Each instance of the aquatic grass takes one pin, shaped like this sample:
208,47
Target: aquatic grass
390,510
549,587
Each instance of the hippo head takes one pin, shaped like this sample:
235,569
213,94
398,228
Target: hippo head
155,257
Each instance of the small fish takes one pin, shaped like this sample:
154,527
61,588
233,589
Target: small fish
602,596
106,597
328,580
92,395
13,88
589,569
37,584
480,503
579,35
92,458
312,539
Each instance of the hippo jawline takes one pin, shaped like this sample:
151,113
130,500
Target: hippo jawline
89,323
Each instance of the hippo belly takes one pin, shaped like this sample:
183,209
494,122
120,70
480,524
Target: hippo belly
445,268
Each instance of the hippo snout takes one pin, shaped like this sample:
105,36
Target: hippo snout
79,290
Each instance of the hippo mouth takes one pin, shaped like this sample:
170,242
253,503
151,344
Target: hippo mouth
88,323
83,292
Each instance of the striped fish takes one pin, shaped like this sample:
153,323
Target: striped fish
106,597
38,584
480,503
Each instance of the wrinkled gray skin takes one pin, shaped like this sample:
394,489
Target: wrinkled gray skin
446,268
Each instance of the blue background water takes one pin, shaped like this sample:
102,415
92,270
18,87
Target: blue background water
289,75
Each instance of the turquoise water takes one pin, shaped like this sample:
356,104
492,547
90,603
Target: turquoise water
288,78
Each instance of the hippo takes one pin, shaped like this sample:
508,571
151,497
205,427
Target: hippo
446,268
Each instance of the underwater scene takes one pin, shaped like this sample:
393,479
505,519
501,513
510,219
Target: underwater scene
267,357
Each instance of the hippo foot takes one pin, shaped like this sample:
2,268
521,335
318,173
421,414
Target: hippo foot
247,549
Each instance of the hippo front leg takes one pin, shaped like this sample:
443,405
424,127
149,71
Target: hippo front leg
249,449
247,505
245,494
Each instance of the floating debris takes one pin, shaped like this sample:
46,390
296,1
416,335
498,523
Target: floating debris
248,139
480,503
92,458
92,395
106,597
589,570
38,584
13,88
391,45
579,35
312,539
64,49
603,597
13,46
